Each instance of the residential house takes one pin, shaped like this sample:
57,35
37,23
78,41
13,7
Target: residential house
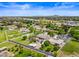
42,37
35,45
71,23
24,30
37,27
5,53
12,27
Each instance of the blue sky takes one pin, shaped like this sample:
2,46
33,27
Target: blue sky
39,8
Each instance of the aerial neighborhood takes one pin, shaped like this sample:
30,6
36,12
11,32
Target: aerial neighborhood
55,36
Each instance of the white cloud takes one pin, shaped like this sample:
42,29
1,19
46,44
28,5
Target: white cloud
63,6
23,7
16,6
26,6
28,10
40,12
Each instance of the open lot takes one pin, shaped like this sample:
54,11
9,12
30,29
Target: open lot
29,53
70,49
25,42
14,33
6,44
75,32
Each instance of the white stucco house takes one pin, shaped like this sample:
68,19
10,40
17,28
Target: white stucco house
35,45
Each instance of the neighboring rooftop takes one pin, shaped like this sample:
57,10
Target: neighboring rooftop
5,53
43,36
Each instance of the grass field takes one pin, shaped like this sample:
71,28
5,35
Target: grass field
2,36
9,34
29,53
71,48
25,42
75,31
13,33
6,44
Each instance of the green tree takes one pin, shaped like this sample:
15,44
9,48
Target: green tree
61,31
24,38
51,33
48,48
51,26
32,29
46,43
56,47
55,53
1,28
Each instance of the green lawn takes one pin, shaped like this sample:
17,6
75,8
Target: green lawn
2,36
9,34
28,52
72,46
6,44
75,32
25,42
13,33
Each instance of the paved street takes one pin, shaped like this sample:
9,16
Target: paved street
32,48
